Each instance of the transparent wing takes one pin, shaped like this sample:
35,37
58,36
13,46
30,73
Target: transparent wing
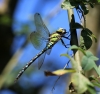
40,38
48,51
37,41
41,60
40,26
42,57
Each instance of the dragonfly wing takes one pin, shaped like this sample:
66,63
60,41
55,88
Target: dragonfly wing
42,57
41,60
37,41
48,51
40,26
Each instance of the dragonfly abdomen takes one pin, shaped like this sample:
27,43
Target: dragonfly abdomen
50,44
29,63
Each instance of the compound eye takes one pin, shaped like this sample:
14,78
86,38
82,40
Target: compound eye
61,30
64,30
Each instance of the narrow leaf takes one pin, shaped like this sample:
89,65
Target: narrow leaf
97,69
59,72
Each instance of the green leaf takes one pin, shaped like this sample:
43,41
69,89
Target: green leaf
59,72
87,37
97,69
89,33
82,43
90,64
66,5
98,1
78,48
87,40
81,83
94,37
88,61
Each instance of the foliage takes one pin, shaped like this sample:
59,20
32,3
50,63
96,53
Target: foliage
80,83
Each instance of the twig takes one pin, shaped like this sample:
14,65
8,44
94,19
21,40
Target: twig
53,88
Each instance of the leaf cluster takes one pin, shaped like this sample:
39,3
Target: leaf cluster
79,4
79,82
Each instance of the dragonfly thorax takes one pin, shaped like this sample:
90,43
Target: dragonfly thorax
55,37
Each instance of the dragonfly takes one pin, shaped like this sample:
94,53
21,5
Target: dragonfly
44,41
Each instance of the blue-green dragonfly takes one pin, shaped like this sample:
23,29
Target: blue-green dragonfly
42,39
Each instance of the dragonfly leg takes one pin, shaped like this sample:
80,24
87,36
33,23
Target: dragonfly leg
66,37
64,43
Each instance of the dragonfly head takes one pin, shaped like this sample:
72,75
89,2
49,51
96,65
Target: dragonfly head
61,31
